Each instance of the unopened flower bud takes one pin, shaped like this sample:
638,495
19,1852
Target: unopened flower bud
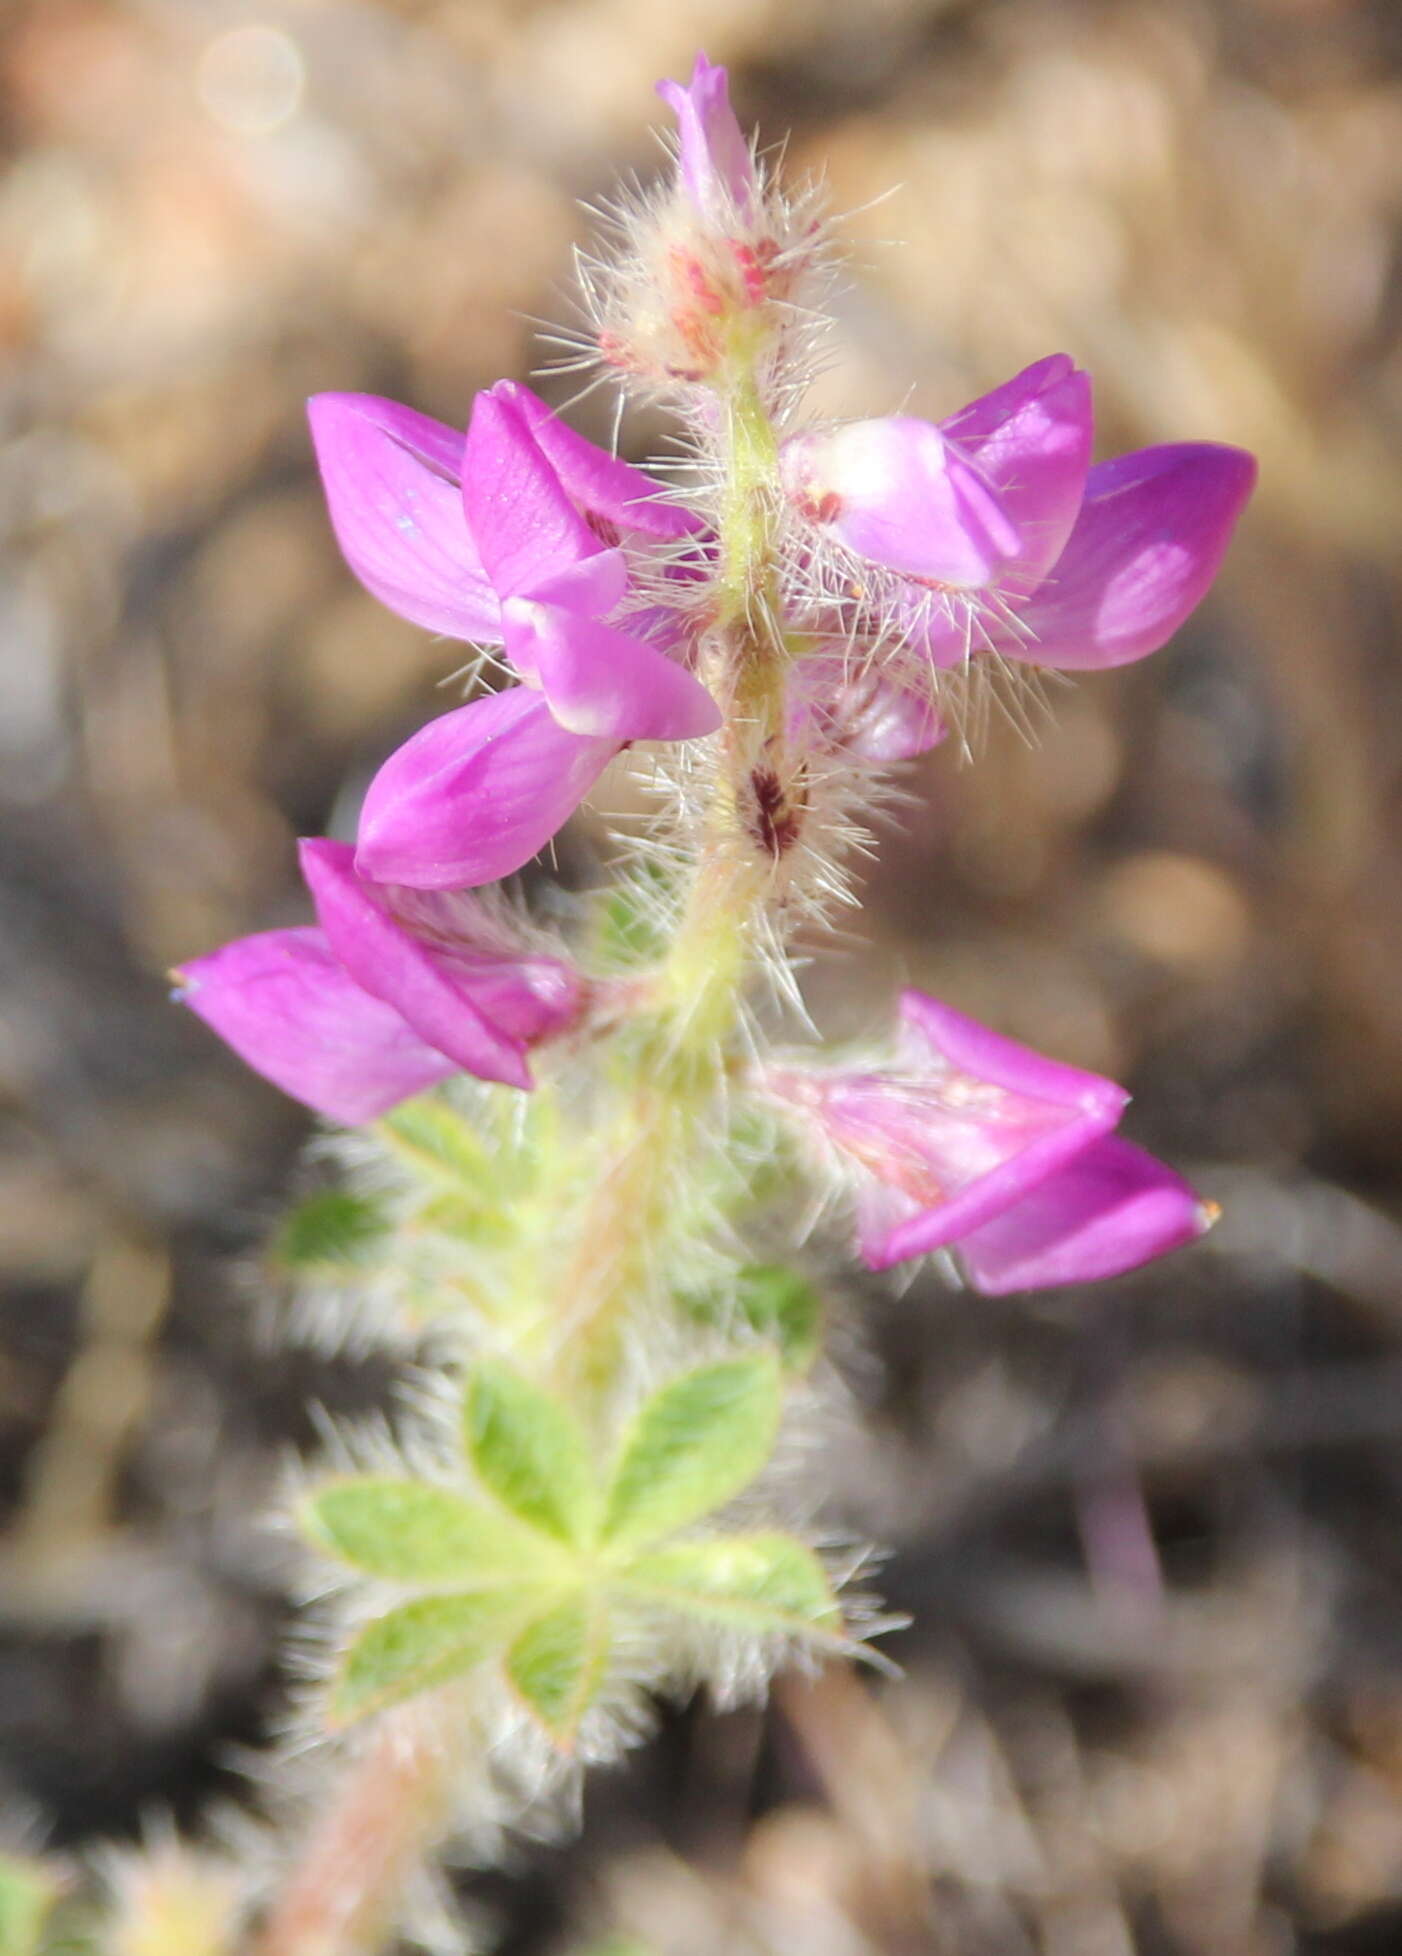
717,166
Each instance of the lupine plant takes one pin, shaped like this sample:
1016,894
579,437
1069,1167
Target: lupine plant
597,1172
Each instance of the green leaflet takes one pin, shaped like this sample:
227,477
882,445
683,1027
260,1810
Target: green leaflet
630,925
468,1218
334,1229
422,1645
529,1452
777,1303
435,1137
27,1893
558,1662
412,1532
761,1582
782,1304
692,1446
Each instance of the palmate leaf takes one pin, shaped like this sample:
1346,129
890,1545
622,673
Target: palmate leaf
558,1663
692,1446
529,1452
414,1533
422,1645
767,1583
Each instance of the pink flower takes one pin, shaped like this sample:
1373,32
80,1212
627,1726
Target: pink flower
394,489
972,1142
998,536
717,167
508,537
386,995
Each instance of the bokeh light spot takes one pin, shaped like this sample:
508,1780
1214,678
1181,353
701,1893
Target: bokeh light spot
251,79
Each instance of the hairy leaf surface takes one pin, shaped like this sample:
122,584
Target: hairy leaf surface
412,1532
692,1446
529,1452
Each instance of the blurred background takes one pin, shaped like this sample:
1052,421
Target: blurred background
1151,1535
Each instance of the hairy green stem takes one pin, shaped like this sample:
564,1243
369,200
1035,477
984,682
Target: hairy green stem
671,1062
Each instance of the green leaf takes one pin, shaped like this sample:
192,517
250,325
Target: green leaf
756,1582
468,1218
412,1532
27,1892
418,1647
781,1304
431,1135
335,1227
529,1452
630,927
693,1445
557,1663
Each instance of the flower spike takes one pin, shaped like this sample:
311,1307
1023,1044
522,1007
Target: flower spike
588,1503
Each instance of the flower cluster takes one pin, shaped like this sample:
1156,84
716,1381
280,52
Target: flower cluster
904,553
582,1170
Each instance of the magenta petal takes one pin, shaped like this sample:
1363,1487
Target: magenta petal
592,587
525,994
981,420
1031,438
936,1032
1111,1209
523,523
599,482
892,723
1146,546
286,1006
474,794
992,1163
717,167
402,971
603,682
897,493
391,482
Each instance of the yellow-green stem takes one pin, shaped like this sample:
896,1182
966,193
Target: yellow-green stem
671,1062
